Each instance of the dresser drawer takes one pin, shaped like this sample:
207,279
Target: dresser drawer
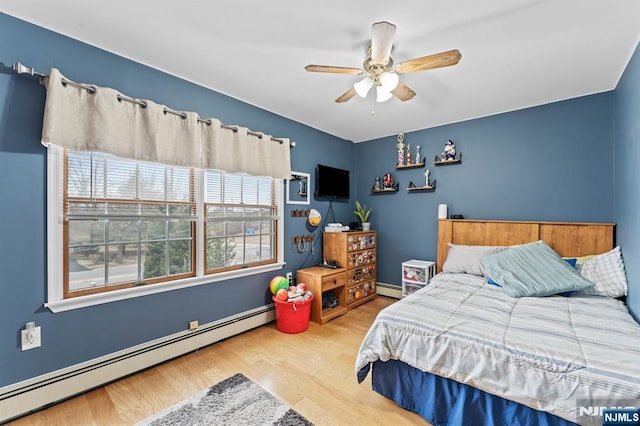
359,258
361,292
332,281
361,241
361,274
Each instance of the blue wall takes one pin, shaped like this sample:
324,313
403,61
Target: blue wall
553,162
79,335
627,175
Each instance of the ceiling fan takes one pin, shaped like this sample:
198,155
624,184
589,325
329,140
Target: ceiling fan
378,66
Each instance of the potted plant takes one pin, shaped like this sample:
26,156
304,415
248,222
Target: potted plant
363,214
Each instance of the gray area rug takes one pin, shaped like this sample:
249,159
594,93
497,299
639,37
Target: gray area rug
234,401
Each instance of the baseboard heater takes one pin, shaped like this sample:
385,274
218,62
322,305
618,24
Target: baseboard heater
33,394
389,290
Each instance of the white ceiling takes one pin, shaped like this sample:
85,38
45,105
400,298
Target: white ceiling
515,53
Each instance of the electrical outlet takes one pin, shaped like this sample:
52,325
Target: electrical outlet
290,278
193,325
31,337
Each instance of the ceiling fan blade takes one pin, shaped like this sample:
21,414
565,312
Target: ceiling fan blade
346,95
332,69
403,92
382,35
438,60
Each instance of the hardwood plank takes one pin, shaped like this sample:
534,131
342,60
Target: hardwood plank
482,233
313,372
578,239
71,412
445,234
566,238
102,407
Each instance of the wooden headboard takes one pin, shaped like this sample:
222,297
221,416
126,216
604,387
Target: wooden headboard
566,238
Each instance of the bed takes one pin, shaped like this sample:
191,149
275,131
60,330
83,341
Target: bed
464,351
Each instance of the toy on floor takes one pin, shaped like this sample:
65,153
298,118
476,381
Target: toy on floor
281,290
282,294
299,293
277,283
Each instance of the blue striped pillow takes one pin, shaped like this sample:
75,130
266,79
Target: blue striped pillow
533,269
570,260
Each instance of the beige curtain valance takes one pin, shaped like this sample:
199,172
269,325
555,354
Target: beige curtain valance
85,117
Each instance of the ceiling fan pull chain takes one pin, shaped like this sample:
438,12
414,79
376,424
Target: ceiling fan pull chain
373,104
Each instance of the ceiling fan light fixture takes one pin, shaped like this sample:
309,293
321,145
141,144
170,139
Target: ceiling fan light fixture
363,86
389,81
380,70
382,95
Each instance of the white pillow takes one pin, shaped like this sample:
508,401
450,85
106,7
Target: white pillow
607,273
463,259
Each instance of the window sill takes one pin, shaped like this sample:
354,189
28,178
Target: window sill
129,293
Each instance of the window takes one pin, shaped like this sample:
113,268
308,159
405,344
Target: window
144,227
240,224
126,222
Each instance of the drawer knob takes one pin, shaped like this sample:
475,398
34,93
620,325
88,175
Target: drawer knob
335,281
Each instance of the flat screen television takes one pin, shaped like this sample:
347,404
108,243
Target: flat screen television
332,183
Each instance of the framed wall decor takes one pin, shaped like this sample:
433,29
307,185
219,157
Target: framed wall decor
297,188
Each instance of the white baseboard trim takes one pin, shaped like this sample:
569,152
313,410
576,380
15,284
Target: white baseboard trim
30,395
389,290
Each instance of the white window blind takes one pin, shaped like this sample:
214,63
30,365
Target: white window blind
241,220
128,222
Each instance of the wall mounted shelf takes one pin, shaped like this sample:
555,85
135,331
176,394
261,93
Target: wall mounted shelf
410,166
386,190
438,162
429,188
421,189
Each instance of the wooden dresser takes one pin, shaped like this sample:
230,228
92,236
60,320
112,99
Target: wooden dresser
353,282
356,252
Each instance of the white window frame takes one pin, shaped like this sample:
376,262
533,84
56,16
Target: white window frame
55,256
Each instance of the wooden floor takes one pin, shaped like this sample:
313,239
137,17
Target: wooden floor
313,372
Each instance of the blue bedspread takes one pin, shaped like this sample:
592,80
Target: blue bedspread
454,403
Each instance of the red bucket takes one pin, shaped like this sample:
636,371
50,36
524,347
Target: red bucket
292,317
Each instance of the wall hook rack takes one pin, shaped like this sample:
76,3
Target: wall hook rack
300,213
302,243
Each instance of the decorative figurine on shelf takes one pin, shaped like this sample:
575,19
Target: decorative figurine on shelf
400,146
426,177
418,157
387,180
377,186
408,154
449,152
